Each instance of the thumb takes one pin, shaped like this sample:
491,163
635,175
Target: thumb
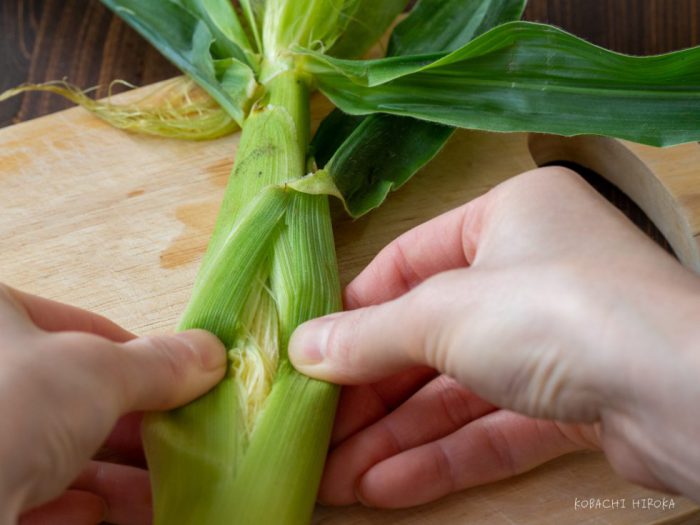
365,345
164,372
84,383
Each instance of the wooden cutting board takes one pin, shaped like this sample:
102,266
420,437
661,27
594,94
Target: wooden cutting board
117,223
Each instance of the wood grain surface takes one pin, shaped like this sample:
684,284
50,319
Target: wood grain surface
117,223
42,40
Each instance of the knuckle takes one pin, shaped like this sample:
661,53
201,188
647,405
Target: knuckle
473,218
444,468
501,450
575,435
389,439
552,175
157,367
399,258
455,401
543,181
352,298
427,318
83,349
342,339
101,360
174,357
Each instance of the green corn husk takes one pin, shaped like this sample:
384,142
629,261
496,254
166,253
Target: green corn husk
252,450
270,266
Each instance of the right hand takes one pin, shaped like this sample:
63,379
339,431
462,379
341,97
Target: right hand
559,326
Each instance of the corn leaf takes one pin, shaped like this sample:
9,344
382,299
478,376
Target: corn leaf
253,12
367,24
370,157
380,154
528,77
230,39
446,25
332,133
189,42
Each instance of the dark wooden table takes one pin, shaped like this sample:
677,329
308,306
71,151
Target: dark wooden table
81,41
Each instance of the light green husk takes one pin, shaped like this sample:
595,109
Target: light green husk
252,450
270,266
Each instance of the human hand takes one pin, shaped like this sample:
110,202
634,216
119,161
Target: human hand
558,326
67,376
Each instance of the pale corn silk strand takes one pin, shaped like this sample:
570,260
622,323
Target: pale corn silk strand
255,354
177,109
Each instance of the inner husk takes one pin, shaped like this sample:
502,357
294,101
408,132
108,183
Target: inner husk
255,354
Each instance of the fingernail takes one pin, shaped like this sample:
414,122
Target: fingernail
308,343
207,347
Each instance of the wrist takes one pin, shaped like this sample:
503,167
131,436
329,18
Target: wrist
655,394
637,333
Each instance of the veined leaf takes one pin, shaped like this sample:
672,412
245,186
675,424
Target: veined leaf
368,158
367,24
446,25
188,42
332,133
222,20
253,11
528,77
380,155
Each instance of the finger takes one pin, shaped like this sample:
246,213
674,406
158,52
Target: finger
125,490
482,327
57,317
165,372
124,444
452,240
437,410
148,373
498,446
73,507
360,406
444,243
369,344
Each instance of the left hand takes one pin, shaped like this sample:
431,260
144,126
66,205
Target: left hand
71,381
